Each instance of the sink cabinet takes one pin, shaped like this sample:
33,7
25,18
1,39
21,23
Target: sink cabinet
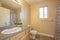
25,35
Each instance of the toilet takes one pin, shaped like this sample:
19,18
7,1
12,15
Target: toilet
33,34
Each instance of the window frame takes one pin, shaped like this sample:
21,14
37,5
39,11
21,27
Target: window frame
43,12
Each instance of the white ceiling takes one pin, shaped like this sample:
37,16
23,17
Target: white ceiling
33,1
10,4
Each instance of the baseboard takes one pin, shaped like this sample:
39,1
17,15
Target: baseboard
46,35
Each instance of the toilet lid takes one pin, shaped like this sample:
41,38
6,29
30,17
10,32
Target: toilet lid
33,32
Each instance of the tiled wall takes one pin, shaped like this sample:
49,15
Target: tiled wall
58,24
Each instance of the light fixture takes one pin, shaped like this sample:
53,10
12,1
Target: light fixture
17,1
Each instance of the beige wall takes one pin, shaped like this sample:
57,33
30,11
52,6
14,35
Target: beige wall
0,3
4,16
48,25
58,2
25,12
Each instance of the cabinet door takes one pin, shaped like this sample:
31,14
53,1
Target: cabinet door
27,34
18,36
26,37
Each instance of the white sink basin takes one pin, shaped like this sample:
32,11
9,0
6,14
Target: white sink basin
12,30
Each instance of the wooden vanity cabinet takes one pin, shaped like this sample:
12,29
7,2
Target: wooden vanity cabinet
25,35
18,36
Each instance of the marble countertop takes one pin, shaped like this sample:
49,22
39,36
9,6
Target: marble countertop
6,36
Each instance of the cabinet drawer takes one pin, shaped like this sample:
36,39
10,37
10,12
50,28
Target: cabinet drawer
18,36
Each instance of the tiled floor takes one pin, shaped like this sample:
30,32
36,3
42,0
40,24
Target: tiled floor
38,37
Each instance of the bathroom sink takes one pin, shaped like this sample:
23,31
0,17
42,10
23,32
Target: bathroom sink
11,30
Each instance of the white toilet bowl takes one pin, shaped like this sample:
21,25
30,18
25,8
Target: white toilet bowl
33,34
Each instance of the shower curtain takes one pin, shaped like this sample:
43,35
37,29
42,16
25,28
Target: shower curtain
57,35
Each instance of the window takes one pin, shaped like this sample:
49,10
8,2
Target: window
43,12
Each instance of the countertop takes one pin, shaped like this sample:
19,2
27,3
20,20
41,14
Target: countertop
6,36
